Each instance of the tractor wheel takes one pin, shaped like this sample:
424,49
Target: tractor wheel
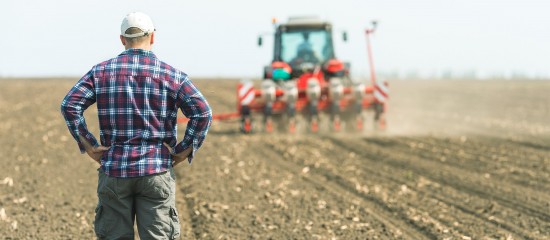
268,125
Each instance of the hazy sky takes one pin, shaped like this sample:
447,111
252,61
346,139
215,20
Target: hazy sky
218,37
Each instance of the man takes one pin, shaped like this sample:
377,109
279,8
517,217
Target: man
305,51
305,46
137,98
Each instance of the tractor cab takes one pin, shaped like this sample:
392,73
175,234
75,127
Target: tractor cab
302,45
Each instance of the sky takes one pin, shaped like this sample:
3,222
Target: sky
218,38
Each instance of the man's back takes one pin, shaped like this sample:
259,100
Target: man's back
138,97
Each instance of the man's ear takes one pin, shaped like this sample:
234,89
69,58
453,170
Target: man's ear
152,38
123,40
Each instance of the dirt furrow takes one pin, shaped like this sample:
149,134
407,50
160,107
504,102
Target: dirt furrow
465,180
543,148
371,206
403,196
489,150
476,157
512,164
456,188
491,147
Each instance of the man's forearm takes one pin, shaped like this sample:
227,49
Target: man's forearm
87,145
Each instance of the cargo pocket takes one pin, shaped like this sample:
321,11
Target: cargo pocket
174,224
156,187
98,224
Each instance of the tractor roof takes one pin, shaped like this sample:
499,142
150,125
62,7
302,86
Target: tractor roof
312,21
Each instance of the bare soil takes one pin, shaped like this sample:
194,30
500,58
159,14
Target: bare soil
459,160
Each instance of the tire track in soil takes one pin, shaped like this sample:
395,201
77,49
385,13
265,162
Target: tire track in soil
427,164
468,159
535,146
505,223
505,147
467,214
371,206
481,222
475,221
519,166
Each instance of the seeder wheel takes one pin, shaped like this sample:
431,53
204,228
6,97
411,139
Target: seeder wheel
314,125
269,125
336,125
359,123
292,125
335,116
246,120
313,117
291,115
268,121
246,126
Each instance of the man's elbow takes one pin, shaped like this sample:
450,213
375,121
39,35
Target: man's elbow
208,117
64,107
208,112
68,109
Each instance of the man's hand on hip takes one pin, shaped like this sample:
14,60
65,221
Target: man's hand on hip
96,152
180,157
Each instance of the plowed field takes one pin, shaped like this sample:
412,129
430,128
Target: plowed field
460,160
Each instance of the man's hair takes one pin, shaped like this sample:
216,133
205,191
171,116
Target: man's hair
135,40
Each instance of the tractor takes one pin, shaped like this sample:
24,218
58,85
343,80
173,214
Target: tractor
306,80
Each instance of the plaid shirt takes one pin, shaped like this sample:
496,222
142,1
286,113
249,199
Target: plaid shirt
137,98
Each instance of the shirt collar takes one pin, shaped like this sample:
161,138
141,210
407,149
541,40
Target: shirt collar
138,51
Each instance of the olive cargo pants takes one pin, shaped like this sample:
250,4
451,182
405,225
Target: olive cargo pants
150,200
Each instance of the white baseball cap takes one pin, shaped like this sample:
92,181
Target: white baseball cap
138,20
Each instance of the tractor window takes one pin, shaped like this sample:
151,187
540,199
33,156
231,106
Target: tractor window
306,46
